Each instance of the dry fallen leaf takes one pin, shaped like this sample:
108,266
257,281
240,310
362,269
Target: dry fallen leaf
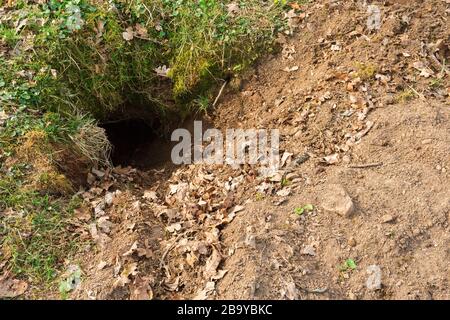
290,291
288,51
424,70
109,198
102,265
150,195
93,231
233,9
124,278
220,274
128,35
3,115
191,259
285,158
141,290
212,264
203,294
132,249
382,78
292,69
294,5
100,27
230,217
174,227
335,47
290,14
82,214
162,71
173,285
145,252
105,225
141,31
284,192
331,159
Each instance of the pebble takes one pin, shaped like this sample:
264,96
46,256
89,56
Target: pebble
389,99
352,242
427,141
291,176
99,209
336,199
250,241
109,198
373,282
90,178
291,291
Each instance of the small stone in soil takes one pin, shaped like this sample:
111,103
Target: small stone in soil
387,218
352,242
373,282
336,199
309,251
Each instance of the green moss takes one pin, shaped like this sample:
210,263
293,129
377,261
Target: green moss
405,96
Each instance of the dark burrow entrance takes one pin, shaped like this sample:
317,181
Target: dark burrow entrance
137,143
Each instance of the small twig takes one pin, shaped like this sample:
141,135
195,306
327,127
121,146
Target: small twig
368,165
220,93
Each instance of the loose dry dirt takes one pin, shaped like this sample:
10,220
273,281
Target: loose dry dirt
364,120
